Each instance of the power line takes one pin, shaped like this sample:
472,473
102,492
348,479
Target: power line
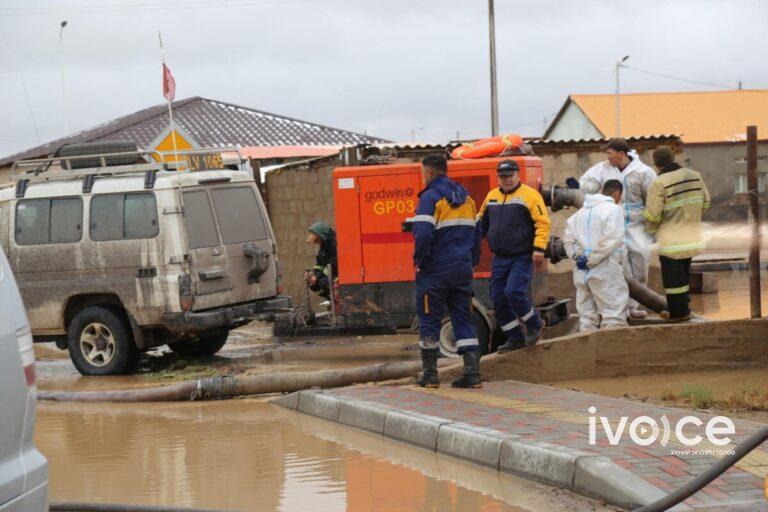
718,86
145,6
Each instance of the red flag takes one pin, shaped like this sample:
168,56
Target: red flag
169,84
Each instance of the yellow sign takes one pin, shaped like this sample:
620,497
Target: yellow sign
166,145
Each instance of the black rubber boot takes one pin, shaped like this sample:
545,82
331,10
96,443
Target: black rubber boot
471,377
428,377
510,345
533,330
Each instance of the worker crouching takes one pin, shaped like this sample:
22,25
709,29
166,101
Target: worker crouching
594,239
515,220
447,247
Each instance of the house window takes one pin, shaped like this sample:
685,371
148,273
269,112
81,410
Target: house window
741,183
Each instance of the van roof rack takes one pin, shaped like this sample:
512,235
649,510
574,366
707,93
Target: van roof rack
54,168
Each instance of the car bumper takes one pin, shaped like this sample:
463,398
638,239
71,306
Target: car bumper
233,316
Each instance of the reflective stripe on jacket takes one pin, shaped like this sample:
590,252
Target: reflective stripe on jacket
515,222
676,201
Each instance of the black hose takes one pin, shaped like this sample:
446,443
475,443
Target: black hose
695,485
115,507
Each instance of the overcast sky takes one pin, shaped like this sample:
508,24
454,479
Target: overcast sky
381,67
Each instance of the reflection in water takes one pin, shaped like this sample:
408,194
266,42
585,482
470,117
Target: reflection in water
238,455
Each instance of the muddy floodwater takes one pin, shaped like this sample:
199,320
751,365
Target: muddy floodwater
250,455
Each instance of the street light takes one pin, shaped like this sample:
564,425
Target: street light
414,130
620,64
61,68
494,99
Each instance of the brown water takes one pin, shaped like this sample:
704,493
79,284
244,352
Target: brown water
732,300
249,455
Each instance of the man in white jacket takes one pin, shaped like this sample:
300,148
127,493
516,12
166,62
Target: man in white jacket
624,165
594,238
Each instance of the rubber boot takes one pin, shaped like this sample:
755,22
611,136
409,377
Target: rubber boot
510,345
428,377
471,377
533,330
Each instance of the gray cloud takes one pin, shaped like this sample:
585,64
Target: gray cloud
381,67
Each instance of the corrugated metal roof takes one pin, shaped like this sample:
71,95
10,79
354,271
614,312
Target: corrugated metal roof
700,117
211,123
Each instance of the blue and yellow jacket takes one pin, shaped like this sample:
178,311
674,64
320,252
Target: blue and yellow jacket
444,228
515,223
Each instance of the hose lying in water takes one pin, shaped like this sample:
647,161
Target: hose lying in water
717,469
243,385
114,507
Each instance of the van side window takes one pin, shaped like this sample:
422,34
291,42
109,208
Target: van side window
201,228
240,218
123,216
49,221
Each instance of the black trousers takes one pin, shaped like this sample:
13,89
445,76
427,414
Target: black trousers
676,277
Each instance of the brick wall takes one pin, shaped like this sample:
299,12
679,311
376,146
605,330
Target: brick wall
298,196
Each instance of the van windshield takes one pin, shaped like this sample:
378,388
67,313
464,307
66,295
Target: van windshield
238,216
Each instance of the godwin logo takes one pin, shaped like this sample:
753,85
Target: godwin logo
645,430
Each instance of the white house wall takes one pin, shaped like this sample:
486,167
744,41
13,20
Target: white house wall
574,125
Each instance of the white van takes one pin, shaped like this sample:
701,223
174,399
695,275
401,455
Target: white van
23,469
119,252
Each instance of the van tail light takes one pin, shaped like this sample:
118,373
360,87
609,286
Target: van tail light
186,297
27,353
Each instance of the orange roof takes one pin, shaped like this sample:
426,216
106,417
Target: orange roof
720,116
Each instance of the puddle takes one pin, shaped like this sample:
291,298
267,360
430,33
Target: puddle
732,300
250,455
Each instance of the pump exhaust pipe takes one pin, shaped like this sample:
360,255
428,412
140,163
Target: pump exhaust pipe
557,197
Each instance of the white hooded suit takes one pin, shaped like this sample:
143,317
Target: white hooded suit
597,231
636,179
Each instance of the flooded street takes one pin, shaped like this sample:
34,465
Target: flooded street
250,455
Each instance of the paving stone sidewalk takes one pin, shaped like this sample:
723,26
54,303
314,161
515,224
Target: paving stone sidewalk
561,417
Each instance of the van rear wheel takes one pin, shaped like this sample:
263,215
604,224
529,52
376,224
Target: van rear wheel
206,344
100,343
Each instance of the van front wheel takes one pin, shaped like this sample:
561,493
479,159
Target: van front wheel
100,343
206,344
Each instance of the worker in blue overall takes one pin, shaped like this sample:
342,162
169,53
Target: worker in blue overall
515,220
447,248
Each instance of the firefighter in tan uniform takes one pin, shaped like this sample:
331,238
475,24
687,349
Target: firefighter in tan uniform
673,210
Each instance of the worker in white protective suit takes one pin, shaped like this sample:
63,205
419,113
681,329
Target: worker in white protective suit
594,238
624,165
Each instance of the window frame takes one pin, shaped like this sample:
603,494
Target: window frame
124,195
50,200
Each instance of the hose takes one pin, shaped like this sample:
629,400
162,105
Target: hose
229,386
114,507
695,485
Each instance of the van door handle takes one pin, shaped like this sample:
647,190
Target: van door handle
209,275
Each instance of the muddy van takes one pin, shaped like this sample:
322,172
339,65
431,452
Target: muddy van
115,253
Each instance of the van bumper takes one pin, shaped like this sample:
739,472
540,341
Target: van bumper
232,316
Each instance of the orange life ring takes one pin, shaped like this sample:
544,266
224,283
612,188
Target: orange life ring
492,146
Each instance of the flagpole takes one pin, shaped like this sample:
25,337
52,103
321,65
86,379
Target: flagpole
170,110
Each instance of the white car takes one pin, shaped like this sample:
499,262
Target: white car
23,469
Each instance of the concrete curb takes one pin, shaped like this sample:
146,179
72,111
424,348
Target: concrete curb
589,475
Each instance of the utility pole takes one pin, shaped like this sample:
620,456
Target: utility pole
61,68
754,200
619,65
494,98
